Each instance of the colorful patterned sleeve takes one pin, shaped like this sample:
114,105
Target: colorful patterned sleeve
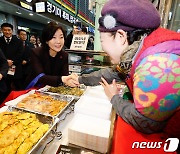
157,86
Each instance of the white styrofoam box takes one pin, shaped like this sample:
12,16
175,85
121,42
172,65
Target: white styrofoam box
97,107
96,91
89,132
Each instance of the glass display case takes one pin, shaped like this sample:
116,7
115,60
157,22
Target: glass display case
87,61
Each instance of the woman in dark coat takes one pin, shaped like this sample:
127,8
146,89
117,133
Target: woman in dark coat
50,60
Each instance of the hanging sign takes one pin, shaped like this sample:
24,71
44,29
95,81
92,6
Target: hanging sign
53,9
26,6
40,7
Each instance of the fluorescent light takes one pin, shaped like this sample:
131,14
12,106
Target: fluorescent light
18,12
31,14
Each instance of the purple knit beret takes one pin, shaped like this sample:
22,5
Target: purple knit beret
128,15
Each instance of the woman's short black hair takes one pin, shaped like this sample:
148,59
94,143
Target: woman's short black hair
49,31
136,34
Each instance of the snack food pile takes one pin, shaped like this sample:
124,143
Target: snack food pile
19,131
42,103
66,90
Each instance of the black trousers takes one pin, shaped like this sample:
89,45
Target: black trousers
13,83
2,97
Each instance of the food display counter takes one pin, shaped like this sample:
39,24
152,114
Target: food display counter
65,133
86,61
120,139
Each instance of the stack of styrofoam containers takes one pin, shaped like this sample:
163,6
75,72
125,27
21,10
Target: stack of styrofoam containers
92,106
90,127
90,132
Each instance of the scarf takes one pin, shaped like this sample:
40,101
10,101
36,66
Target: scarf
126,59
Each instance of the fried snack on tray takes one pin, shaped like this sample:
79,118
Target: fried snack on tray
66,90
42,103
20,135
29,142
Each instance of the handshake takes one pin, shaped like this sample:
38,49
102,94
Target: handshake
71,80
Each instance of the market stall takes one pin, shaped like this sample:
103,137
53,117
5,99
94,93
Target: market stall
121,136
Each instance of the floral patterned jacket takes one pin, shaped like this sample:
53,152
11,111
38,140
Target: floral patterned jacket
157,82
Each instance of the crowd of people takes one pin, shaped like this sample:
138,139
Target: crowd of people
145,57
16,49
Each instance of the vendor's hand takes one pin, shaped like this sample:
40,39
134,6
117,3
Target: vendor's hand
110,90
75,77
70,80
73,81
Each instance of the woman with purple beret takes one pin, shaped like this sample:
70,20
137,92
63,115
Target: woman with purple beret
147,60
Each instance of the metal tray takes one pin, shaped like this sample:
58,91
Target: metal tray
69,100
46,88
45,119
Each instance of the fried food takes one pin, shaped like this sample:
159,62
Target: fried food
27,144
25,147
10,149
67,90
42,103
20,132
39,133
2,150
8,136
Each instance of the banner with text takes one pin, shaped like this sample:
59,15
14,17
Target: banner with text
79,42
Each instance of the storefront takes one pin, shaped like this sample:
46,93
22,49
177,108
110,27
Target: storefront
19,14
174,16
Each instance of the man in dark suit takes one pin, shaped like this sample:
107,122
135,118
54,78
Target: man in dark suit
27,46
3,74
76,30
12,48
